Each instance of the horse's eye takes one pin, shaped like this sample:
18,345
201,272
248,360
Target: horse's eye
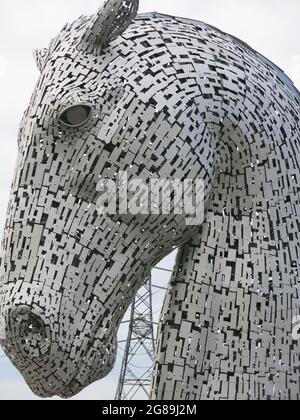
76,115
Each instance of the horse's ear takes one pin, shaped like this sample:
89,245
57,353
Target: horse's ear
111,20
40,57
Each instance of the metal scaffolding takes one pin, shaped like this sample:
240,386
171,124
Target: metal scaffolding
137,365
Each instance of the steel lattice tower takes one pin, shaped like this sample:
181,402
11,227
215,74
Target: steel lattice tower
137,365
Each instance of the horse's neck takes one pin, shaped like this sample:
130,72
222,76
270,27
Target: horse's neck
229,311
227,324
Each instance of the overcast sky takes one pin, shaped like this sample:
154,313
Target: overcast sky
269,26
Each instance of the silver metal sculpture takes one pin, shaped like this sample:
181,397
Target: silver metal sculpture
155,95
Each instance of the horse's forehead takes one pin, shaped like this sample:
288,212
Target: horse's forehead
68,70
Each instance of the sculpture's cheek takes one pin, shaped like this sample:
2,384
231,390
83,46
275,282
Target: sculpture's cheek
97,364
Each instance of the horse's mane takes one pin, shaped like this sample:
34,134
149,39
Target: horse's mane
280,73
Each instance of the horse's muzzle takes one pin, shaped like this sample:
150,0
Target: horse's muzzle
26,334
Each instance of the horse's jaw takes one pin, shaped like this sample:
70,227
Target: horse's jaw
97,364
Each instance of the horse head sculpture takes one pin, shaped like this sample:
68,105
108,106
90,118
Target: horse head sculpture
155,96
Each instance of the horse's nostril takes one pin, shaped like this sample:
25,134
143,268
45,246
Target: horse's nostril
35,325
26,333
